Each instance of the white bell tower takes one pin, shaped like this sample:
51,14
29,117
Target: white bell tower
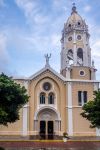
75,48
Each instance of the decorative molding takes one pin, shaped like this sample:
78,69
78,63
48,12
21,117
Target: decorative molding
49,108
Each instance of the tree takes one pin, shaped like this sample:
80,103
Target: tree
12,99
91,110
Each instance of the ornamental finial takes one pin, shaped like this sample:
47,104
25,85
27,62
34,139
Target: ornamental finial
74,9
47,57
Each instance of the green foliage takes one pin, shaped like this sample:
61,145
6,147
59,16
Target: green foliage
91,110
12,99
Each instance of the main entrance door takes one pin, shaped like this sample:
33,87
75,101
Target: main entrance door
50,129
42,129
46,129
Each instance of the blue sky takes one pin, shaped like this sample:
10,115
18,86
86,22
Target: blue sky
31,28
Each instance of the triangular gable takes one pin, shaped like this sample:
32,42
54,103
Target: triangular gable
47,68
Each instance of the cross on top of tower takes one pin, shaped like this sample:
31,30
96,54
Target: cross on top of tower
74,9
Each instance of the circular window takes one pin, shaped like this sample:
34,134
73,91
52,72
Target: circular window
70,38
46,86
79,37
82,73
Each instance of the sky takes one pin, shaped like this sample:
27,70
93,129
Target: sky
29,29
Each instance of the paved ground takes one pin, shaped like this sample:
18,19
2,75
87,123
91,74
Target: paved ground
50,145
74,143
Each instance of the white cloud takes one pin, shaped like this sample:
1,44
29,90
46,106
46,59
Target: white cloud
27,5
55,40
87,8
4,56
42,44
32,11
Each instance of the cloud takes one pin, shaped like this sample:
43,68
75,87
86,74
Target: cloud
27,6
87,8
37,43
4,56
32,11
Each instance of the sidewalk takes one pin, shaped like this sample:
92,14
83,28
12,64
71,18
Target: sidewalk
74,143
50,145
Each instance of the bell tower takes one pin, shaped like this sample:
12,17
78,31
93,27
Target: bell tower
75,48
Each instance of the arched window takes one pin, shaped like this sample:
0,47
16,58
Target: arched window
42,98
69,25
70,52
51,98
80,53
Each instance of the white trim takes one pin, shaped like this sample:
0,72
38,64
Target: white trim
25,120
46,68
85,81
70,115
74,106
56,74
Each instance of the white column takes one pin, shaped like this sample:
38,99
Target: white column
85,54
70,114
25,120
75,51
96,87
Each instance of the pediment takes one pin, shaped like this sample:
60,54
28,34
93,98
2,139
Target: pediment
47,70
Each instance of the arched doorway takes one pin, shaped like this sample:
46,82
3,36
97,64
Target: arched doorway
47,123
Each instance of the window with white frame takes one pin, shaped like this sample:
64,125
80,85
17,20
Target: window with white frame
42,98
82,97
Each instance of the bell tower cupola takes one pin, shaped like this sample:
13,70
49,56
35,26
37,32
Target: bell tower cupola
75,48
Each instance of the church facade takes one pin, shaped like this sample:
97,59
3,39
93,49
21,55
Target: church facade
56,99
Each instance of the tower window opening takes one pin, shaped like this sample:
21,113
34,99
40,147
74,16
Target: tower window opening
70,53
82,97
42,98
69,25
51,98
80,53
79,23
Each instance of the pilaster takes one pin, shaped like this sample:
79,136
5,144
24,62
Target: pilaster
70,114
25,121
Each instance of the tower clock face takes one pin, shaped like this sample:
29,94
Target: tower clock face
79,37
46,86
70,38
